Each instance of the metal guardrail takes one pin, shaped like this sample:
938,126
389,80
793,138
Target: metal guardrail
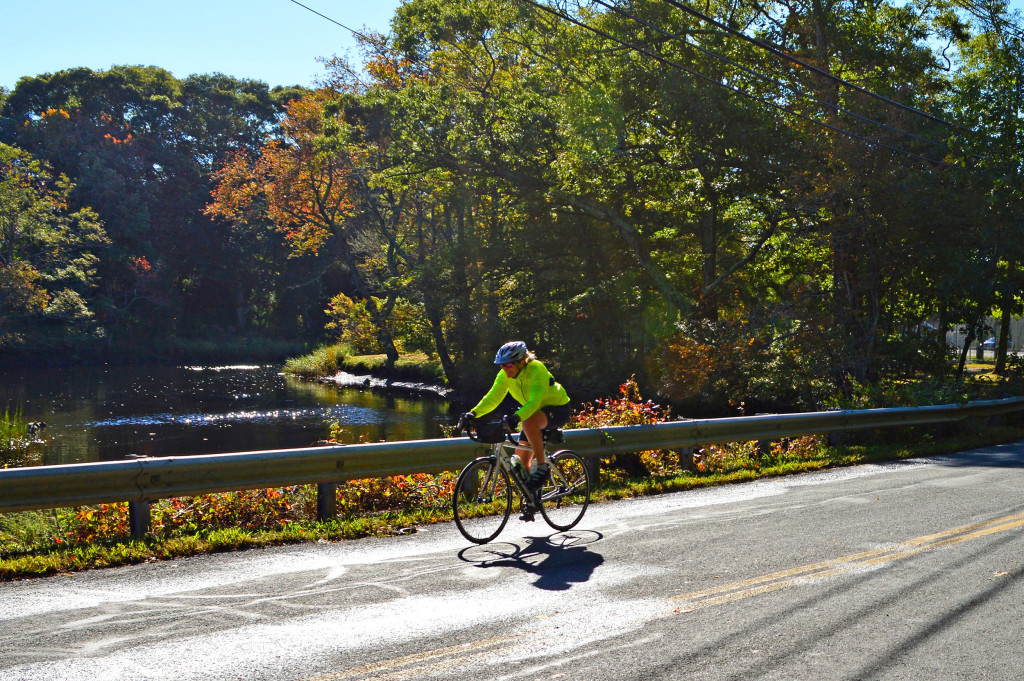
147,479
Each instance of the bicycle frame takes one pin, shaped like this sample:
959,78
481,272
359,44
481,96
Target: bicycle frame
487,487
502,452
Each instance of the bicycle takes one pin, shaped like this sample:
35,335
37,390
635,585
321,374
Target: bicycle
483,496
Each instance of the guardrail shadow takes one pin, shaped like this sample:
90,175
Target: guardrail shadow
1009,455
559,560
802,639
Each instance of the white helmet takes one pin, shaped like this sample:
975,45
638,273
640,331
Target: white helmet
510,352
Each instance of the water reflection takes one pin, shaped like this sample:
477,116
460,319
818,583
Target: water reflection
107,413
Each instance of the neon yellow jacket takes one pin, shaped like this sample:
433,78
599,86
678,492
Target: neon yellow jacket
534,387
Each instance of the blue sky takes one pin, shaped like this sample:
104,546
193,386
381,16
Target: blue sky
275,41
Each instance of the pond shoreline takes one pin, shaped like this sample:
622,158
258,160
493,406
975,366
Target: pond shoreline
107,413
345,379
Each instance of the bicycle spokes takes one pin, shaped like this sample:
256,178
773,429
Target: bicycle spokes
482,500
565,496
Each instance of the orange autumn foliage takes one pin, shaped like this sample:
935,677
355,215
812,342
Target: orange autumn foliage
303,183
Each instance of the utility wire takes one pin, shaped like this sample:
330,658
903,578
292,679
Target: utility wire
350,30
676,65
997,23
785,55
769,79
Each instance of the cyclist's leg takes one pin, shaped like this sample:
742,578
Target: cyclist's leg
532,426
548,417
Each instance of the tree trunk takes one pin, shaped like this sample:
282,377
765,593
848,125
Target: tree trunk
432,308
384,332
708,306
963,352
463,336
943,325
850,311
242,310
1004,336
451,370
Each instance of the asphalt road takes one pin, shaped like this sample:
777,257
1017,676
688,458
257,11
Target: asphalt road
903,571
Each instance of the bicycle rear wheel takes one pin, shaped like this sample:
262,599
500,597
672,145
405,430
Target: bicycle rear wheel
482,500
565,496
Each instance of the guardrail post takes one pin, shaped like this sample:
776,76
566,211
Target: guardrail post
593,465
326,500
138,518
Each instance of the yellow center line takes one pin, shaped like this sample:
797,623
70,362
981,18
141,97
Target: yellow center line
442,659
418,659
858,561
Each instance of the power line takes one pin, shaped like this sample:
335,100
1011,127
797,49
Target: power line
676,65
702,76
350,30
785,55
998,23
769,79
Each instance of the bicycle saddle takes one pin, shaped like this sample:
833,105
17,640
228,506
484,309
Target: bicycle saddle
552,435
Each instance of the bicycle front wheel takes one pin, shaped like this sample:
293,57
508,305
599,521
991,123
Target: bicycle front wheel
482,500
565,496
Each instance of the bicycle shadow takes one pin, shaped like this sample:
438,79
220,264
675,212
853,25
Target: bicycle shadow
559,560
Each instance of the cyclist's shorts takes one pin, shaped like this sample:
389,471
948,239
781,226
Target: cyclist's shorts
557,416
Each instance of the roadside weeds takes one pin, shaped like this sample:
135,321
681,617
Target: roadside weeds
29,549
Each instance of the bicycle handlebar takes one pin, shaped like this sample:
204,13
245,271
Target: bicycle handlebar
468,426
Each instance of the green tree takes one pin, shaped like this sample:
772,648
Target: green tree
141,147
47,256
988,96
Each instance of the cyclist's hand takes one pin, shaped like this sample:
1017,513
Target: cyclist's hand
511,422
466,419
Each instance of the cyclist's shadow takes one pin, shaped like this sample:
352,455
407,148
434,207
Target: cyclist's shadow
559,560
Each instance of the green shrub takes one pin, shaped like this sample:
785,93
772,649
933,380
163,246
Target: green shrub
324,361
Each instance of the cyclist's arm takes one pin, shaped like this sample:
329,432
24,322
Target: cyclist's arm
494,396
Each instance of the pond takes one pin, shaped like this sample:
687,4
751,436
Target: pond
110,413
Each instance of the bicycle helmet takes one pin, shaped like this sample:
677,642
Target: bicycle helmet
510,352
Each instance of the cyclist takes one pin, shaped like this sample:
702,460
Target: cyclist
544,401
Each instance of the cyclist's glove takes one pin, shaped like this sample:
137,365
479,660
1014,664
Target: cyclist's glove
511,422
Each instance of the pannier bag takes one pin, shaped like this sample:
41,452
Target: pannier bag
489,431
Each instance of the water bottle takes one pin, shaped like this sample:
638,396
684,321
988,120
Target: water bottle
518,469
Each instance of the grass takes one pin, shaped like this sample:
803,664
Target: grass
12,425
324,361
49,560
328,360
39,543
835,457
14,439
415,366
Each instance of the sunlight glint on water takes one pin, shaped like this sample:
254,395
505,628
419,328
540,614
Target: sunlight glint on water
108,413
